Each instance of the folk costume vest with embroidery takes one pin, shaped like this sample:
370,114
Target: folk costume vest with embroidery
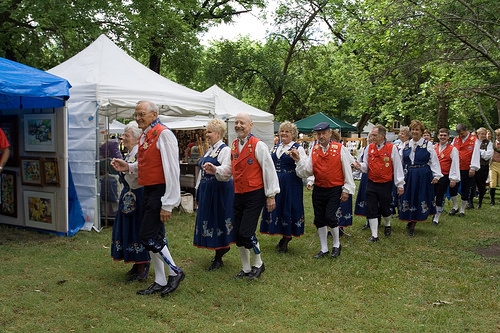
465,150
327,167
444,158
149,158
380,168
247,173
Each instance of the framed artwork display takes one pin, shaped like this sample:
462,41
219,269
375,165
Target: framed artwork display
31,171
39,132
10,126
8,205
50,171
39,210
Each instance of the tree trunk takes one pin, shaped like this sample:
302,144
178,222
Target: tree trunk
362,122
442,117
154,63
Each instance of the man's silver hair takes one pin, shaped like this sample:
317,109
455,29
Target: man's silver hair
151,107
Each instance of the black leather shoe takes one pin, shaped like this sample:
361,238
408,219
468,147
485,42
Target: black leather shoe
461,215
256,272
172,284
215,265
241,275
387,231
453,212
154,288
336,251
321,254
435,223
373,239
283,249
280,243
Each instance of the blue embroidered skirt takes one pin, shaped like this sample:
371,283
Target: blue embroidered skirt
418,200
360,208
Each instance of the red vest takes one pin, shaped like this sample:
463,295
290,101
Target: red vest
444,158
380,168
327,167
247,173
465,150
149,158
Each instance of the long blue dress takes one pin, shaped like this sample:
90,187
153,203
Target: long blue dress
214,218
418,200
344,213
125,244
287,219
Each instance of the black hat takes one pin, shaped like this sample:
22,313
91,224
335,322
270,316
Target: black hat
321,127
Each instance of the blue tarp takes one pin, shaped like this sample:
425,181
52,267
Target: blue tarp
25,87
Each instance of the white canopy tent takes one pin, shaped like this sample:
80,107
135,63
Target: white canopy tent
108,82
228,106
116,127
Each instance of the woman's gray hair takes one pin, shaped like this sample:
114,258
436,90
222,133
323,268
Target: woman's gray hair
290,127
218,125
132,127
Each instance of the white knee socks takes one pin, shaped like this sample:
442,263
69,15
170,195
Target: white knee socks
374,227
159,267
245,259
323,235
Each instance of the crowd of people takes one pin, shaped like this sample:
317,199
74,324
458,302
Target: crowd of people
247,183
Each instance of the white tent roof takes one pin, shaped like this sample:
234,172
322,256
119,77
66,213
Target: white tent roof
116,127
227,107
118,82
368,127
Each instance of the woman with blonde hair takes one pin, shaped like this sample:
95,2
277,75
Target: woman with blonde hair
422,171
214,218
287,219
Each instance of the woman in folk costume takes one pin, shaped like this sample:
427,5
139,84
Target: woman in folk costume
126,244
214,219
287,219
422,171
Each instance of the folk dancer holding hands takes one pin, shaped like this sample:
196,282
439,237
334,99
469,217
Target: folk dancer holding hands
158,169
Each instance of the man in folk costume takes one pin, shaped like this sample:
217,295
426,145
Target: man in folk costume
330,163
495,168
255,185
469,155
450,168
383,165
158,169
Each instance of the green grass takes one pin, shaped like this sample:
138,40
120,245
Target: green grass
58,284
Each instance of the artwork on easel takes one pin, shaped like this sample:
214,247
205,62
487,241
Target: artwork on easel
10,126
31,171
39,210
39,132
8,205
50,171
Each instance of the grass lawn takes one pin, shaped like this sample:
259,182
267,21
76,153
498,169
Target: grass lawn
433,282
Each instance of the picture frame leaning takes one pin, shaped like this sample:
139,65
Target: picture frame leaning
40,210
39,132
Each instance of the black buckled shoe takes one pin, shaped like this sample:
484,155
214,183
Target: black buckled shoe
321,254
256,272
152,289
373,239
173,282
336,251
215,265
453,212
241,275
461,215
387,231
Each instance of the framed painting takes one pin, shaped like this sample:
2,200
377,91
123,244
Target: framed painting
10,126
39,210
50,171
8,205
31,171
39,132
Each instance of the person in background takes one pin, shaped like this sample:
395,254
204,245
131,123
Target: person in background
125,243
404,136
469,156
157,167
287,219
330,163
382,163
450,168
215,195
427,135
4,155
422,171
255,185
495,168
481,175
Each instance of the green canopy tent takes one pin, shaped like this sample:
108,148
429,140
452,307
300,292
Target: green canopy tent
306,125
